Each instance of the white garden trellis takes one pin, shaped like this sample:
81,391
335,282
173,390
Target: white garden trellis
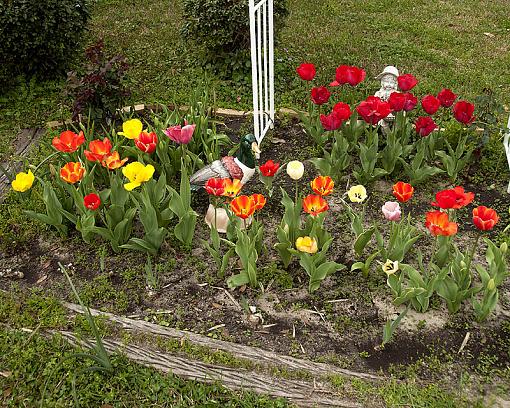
262,66
506,143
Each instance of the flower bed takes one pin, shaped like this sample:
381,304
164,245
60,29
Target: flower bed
326,265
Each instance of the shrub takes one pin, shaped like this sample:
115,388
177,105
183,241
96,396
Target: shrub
222,28
98,89
38,37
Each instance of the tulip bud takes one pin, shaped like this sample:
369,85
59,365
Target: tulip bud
53,171
295,169
491,285
504,247
463,265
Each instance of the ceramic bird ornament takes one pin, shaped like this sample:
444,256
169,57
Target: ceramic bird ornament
241,167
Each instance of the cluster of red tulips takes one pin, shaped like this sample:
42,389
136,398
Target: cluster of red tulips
373,109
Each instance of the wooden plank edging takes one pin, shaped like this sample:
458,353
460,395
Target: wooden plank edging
302,393
256,355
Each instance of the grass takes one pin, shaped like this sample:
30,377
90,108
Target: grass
28,358
27,361
444,44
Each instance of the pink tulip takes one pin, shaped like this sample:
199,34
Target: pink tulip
391,211
181,135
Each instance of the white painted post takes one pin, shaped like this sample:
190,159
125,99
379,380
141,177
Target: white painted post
506,144
262,65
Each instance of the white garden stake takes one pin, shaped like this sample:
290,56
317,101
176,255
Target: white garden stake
262,66
506,143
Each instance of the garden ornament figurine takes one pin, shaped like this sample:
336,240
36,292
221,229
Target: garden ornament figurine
506,144
241,167
389,84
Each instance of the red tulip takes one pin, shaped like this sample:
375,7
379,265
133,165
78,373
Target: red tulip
453,198
306,72
68,141
351,75
373,109
406,82
438,223
430,104
215,186
463,112
410,102
425,125
315,204
98,149
331,121
269,168
484,218
402,101
446,97
397,101
92,201
320,95
243,206
403,191
147,142
342,110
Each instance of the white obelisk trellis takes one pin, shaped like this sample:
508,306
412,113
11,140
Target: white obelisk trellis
262,65
506,143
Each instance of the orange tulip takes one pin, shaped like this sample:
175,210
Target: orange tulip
98,149
259,201
113,161
68,141
232,187
315,204
438,223
72,172
403,191
322,185
242,206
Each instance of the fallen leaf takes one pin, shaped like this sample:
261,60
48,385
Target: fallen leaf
489,35
7,392
277,140
42,279
216,306
5,374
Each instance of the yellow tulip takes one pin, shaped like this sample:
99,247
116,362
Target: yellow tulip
137,174
390,267
295,169
131,128
23,181
357,194
306,244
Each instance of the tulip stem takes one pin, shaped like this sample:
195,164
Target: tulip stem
45,160
297,191
432,255
472,252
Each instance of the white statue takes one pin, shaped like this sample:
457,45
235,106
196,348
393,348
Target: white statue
389,84
506,143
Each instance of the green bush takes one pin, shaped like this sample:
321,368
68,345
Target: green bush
39,37
222,29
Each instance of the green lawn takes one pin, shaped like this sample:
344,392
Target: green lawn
464,45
